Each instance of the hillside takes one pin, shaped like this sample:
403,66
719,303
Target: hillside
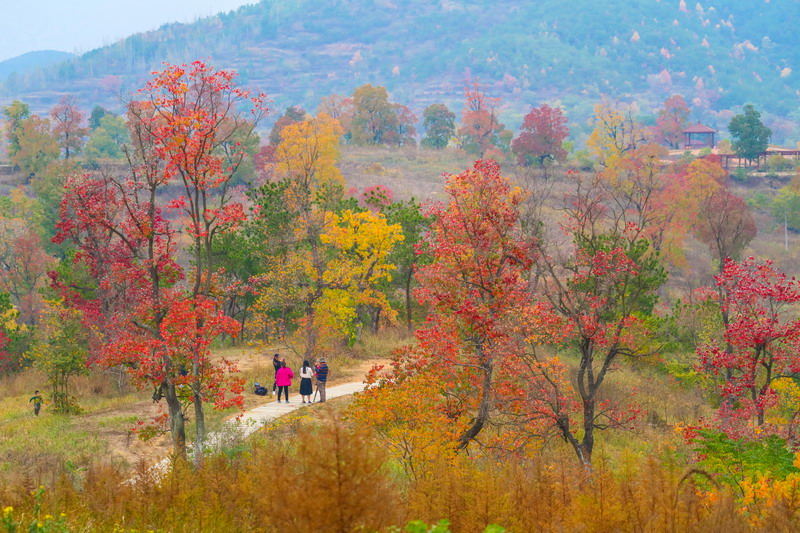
31,61
718,57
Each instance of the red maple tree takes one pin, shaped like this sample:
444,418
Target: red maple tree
476,289
187,130
541,136
761,342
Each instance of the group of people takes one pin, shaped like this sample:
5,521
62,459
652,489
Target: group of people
308,374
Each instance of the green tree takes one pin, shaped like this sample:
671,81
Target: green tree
439,124
786,206
107,139
374,116
48,186
750,136
14,113
97,115
404,256
61,352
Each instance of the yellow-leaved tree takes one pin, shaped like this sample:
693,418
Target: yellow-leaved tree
615,132
358,245
321,257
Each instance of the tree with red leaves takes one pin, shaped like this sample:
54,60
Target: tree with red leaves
475,286
25,265
598,294
186,130
69,126
725,224
541,137
762,343
672,120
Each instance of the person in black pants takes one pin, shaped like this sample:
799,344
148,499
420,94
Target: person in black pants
276,363
284,380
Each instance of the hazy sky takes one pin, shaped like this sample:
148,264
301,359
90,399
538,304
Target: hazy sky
80,25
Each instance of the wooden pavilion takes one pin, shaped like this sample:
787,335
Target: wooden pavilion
698,136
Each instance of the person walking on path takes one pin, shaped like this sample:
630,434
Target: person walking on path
283,378
37,402
322,377
276,363
306,373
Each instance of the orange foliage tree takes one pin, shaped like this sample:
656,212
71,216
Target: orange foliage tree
481,132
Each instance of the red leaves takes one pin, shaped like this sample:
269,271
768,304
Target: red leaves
188,131
672,120
478,273
541,136
761,343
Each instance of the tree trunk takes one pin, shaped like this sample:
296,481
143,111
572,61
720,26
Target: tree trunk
243,321
376,319
177,422
587,443
311,333
199,419
483,408
409,277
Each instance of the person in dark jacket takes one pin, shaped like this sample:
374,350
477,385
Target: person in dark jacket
37,401
276,363
322,377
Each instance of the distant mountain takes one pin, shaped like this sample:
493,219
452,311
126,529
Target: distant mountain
525,51
31,61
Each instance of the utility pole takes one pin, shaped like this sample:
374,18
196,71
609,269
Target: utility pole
785,233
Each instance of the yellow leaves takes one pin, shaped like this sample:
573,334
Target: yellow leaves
8,321
788,394
333,276
615,132
406,418
359,245
364,241
308,153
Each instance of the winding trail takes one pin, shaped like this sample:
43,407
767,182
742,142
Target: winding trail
255,418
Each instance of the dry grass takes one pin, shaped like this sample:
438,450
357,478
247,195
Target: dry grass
409,171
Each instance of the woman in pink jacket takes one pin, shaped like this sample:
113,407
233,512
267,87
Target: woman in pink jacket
284,380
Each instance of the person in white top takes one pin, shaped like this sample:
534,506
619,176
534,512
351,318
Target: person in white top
306,373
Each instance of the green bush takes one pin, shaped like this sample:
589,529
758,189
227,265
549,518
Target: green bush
778,163
740,175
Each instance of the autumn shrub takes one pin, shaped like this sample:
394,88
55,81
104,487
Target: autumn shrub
327,477
532,495
331,477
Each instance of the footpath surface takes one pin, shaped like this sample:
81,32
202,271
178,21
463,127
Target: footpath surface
252,420
257,417
236,429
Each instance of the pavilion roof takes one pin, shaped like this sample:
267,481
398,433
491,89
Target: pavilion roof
699,128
